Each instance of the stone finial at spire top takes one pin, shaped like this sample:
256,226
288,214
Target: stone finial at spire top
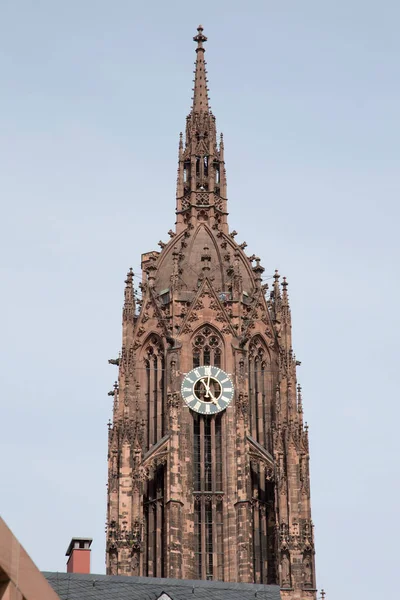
200,96
200,38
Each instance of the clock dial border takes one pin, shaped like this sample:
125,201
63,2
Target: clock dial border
207,408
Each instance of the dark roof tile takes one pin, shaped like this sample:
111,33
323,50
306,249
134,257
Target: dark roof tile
75,586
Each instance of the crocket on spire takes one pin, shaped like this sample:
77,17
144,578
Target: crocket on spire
200,96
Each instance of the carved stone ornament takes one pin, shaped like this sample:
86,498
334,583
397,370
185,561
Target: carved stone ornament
285,570
158,460
187,328
135,561
242,403
307,536
262,465
282,485
185,203
202,199
139,476
198,305
174,401
174,547
307,570
284,536
114,562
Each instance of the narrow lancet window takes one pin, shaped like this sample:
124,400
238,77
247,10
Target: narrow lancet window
154,363
208,470
259,381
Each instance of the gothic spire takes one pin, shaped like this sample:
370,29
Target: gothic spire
200,96
201,177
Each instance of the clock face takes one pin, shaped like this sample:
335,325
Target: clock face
207,390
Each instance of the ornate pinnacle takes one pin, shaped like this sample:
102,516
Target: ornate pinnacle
129,305
129,276
299,400
285,296
258,271
180,171
277,291
221,147
129,286
151,273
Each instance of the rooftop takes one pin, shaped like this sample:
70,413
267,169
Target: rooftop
76,586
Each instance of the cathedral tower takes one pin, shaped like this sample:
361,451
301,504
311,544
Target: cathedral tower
208,454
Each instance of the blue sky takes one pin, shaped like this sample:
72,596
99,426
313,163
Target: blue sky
94,95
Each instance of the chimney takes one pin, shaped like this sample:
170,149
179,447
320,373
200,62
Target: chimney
78,553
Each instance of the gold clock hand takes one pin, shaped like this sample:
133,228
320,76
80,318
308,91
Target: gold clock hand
203,381
209,392
213,398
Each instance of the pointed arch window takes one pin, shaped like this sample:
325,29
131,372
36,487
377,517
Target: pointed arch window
208,483
206,159
154,520
263,525
259,384
216,169
207,348
154,492
154,385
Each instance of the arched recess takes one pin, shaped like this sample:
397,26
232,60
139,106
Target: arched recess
207,347
153,384
260,390
262,489
208,472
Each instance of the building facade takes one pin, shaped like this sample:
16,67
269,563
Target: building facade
208,454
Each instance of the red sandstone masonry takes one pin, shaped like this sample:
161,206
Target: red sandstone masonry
201,284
